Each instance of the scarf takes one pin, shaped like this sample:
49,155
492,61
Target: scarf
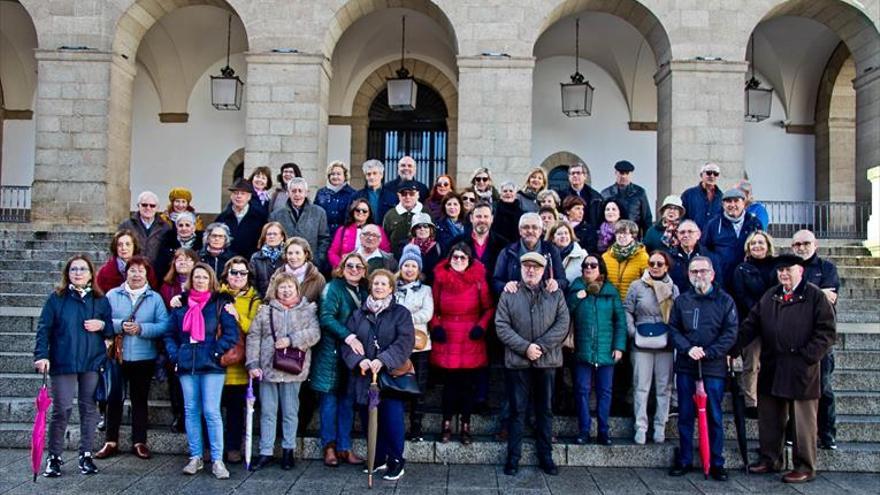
82,291
669,237
134,294
404,287
273,253
566,250
214,252
299,273
624,253
194,320
424,245
595,286
606,235
376,306
120,265
485,195
173,216
187,243
335,189
663,292
736,222
264,195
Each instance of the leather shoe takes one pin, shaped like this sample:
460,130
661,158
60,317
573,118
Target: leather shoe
603,440
798,477
511,468
262,461
178,425
718,473
549,468
330,458
761,468
287,461
583,439
233,457
679,470
141,450
107,451
349,457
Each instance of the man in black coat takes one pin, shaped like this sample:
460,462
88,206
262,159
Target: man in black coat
484,243
507,268
688,248
577,185
406,172
245,222
633,196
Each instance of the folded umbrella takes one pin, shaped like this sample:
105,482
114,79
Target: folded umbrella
372,426
38,436
702,422
249,424
739,417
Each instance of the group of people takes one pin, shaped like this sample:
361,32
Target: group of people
407,283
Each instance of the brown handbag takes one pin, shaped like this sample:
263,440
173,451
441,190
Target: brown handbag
114,350
290,359
235,354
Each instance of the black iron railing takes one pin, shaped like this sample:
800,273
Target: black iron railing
15,204
826,219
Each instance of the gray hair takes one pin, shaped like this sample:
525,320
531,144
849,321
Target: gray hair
691,223
534,217
549,192
148,194
217,225
507,183
702,258
298,181
373,165
186,215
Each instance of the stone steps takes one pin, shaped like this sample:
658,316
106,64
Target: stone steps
853,260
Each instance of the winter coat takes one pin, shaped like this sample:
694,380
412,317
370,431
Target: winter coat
507,267
506,223
246,305
277,200
245,233
199,358
751,279
169,245
571,262
390,188
593,213
168,291
264,268
151,316
642,307
311,225
759,210
61,337
335,204
109,276
380,259
697,206
532,316
149,241
388,337
337,304
299,324
528,201
821,273
397,223
434,207
430,259
653,238
447,231
259,204
345,240
461,302
379,203
418,298
217,263
489,256
599,323
720,238
680,261
795,336
708,321
623,273
587,236
635,200
313,283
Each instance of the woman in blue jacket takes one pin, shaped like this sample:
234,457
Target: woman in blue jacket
70,347
335,196
140,317
202,329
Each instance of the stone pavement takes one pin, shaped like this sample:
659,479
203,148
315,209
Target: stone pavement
129,475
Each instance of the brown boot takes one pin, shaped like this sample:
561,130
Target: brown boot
446,433
349,457
465,433
330,458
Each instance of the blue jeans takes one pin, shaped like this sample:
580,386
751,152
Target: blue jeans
201,396
589,377
390,438
687,412
337,418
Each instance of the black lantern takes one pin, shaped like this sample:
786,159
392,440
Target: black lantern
758,99
577,96
402,89
226,89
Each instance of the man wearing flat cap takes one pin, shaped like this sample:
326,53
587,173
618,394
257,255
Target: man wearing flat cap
795,322
631,195
245,223
398,220
726,233
531,323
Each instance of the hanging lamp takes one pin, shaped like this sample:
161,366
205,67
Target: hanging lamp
577,95
402,89
226,89
758,99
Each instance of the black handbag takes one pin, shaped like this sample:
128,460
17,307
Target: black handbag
400,381
290,359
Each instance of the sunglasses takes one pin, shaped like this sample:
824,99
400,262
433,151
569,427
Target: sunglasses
468,199
354,266
408,192
361,210
369,234
238,273
459,257
800,244
656,264
443,184
590,266
712,173
704,271
148,205
481,179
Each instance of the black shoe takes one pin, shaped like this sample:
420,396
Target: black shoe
583,439
415,431
828,445
673,410
287,461
102,424
752,412
679,470
602,439
549,468
395,470
86,465
53,466
178,425
718,473
511,468
262,461
482,408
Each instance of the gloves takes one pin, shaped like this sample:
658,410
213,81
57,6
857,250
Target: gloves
438,334
476,333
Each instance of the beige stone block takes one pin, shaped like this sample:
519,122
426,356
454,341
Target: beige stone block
257,92
46,106
281,127
71,124
48,124
283,94
256,126
94,124
89,141
90,107
57,140
264,143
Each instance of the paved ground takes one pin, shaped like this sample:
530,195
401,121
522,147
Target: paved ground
129,475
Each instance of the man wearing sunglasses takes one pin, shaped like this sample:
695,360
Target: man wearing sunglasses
149,228
703,201
398,220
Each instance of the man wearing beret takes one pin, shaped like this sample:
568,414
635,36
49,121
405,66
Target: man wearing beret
795,322
632,196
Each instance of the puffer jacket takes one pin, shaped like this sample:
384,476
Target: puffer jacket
419,300
246,305
337,304
599,323
199,358
461,302
641,307
60,335
299,324
151,316
335,204
264,268
708,321
532,316
623,273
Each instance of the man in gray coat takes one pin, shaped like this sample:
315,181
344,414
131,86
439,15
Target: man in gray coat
301,218
531,324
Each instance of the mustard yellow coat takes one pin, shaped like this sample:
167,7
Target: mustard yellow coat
621,274
246,305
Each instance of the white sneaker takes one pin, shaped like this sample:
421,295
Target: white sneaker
194,465
639,438
219,470
659,437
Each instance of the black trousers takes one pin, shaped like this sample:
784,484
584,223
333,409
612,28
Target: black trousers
422,366
459,392
827,420
233,399
138,375
537,383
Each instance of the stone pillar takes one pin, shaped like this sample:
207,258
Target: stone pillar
76,181
867,130
287,97
873,229
494,116
700,116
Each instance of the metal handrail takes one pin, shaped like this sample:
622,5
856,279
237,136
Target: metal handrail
826,219
15,204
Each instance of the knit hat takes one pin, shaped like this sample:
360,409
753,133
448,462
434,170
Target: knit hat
180,193
411,253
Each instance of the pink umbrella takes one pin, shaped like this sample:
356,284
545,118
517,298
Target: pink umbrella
38,437
702,422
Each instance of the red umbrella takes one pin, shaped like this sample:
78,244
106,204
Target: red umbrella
38,437
702,422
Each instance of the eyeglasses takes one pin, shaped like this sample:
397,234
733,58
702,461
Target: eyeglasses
701,272
687,231
656,264
459,257
576,172
408,192
468,199
801,244
238,273
531,267
361,210
354,266
712,173
148,205
78,269
217,236
369,234
443,184
481,179
422,226
589,266
530,227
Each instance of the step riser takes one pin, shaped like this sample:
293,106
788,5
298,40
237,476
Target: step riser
857,360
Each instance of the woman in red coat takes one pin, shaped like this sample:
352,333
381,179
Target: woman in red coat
123,246
462,311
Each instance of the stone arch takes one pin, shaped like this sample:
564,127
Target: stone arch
353,10
835,129
235,160
424,73
564,158
18,73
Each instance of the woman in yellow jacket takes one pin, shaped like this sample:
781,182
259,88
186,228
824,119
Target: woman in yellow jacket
627,258
238,282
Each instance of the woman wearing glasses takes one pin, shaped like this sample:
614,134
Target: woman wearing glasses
442,187
482,186
468,201
215,250
342,296
347,237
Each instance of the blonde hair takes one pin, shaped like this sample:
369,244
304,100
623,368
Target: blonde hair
771,243
277,280
340,164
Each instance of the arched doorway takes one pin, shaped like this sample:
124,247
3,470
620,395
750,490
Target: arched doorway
18,82
421,134
556,166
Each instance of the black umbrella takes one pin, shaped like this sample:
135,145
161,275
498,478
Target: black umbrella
739,416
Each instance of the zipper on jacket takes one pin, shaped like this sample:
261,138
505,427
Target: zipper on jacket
696,319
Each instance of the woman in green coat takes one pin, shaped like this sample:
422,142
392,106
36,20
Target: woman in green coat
344,294
599,342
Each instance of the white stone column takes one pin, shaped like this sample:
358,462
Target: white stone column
495,116
873,241
287,96
867,88
700,118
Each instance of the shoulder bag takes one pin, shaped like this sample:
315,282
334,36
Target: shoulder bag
235,354
652,335
290,359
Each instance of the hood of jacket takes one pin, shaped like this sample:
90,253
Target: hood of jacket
444,274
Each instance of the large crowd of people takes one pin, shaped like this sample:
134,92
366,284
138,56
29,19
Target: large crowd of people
429,287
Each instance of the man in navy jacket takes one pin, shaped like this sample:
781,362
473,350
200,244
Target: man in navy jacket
726,234
245,222
703,201
507,267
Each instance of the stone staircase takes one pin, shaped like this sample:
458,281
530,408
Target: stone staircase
30,262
